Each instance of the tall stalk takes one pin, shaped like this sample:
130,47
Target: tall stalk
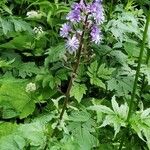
137,75
73,75
74,71
144,77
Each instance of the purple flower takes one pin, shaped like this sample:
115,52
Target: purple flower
83,14
76,6
95,34
96,11
72,44
64,30
79,6
98,1
74,16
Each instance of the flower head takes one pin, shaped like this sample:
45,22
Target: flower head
96,11
83,16
79,6
72,44
95,34
38,30
76,6
33,14
64,30
31,87
74,16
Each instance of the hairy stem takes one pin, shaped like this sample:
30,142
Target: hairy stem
137,75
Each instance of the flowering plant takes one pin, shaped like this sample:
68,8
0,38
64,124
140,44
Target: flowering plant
83,17
83,23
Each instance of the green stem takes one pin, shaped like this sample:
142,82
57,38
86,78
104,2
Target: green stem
137,74
143,85
110,9
148,56
138,67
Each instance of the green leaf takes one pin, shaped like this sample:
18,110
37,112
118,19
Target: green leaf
78,90
99,73
104,73
82,134
37,138
13,97
27,69
101,108
27,109
19,42
21,25
6,25
145,113
55,53
116,118
6,64
79,116
12,142
7,9
7,128
24,135
121,84
146,71
115,105
132,49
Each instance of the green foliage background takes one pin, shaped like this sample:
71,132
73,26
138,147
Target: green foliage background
96,116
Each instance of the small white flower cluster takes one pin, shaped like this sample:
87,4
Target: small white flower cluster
33,14
31,87
38,30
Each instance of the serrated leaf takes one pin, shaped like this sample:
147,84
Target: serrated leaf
115,105
145,113
121,84
104,73
78,90
79,116
27,69
99,73
82,134
6,25
55,53
101,108
146,71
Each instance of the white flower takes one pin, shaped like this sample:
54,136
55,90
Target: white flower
38,30
31,87
32,14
